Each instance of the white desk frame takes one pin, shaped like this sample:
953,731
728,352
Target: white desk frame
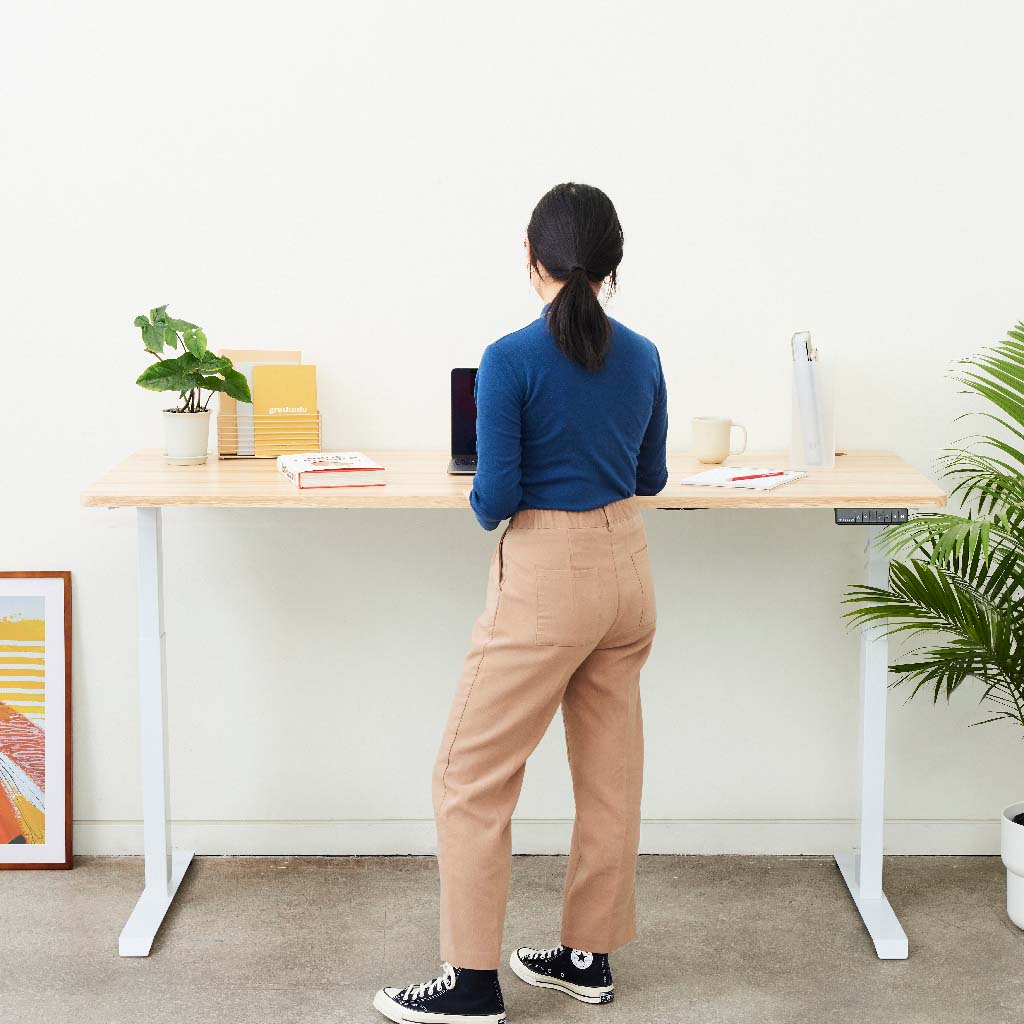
165,867
862,867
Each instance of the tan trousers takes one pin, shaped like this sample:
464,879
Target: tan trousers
569,621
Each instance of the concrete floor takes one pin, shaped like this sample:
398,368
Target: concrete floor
724,939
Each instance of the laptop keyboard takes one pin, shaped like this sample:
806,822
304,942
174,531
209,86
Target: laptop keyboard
465,462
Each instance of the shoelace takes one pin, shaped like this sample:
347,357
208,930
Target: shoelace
445,980
544,954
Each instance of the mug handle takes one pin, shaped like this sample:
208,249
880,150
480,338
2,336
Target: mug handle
741,450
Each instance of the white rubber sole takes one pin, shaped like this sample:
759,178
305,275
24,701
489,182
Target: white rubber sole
588,994
401,1015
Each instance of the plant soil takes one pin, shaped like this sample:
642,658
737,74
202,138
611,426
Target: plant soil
1019,818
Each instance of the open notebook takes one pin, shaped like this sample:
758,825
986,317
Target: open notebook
721,476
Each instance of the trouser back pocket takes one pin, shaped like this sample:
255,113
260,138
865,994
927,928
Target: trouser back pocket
568,606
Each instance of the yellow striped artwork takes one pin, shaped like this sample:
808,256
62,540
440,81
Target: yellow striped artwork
22,720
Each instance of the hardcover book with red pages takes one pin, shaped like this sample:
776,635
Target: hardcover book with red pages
331,469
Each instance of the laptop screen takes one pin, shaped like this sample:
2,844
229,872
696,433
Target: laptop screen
463,412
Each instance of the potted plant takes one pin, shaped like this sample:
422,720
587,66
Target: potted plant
957,580
195,370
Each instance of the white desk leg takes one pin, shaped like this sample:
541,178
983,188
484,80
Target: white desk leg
164,867
862,869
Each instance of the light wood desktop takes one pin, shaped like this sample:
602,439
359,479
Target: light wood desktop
418,479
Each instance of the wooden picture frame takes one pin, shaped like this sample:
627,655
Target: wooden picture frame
35,720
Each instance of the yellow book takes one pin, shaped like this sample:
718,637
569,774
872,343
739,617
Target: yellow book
229,427
284,408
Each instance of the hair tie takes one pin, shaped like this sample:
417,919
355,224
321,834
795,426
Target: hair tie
572,270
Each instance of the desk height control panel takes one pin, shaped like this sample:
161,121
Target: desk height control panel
870,516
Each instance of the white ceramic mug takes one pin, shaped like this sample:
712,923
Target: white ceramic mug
712,436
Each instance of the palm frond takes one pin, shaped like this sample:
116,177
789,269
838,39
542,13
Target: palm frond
997,374
961,577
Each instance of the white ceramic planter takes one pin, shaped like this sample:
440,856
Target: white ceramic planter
1012,848
186,437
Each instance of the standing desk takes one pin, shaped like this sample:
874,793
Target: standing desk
417,479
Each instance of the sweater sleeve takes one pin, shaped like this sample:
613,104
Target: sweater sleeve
651,467
497,486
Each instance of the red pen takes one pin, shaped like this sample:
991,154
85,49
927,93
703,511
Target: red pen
756,476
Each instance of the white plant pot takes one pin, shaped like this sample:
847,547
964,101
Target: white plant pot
186,437
1012,848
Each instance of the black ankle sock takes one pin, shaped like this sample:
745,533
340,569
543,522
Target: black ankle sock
472,978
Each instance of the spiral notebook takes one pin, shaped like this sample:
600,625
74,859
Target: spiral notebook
722,476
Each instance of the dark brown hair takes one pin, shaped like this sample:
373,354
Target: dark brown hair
575,233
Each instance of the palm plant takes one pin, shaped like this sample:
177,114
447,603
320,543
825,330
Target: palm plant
961,577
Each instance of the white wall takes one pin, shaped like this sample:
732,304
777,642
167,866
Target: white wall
354,180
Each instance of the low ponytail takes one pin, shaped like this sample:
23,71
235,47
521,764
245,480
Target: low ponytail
575,235
579,323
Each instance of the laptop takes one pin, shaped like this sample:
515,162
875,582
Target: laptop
463,421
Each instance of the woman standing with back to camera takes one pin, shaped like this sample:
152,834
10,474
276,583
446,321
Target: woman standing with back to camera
571,424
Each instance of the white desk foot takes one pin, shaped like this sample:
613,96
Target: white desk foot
139,932
885,930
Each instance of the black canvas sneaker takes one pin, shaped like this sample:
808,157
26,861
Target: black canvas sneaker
582,975
457,996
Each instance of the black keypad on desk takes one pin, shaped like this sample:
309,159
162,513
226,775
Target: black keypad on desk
871,516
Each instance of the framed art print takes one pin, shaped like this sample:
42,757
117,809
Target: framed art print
35,720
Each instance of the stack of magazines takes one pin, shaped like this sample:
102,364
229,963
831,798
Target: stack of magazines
331,469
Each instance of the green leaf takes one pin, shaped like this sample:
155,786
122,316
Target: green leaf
166,375
141,320
195,341
237,386
213,364
170,337
153,338
179,325
212,383
187,362
159,315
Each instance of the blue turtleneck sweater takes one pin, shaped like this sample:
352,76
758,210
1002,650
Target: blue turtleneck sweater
551,434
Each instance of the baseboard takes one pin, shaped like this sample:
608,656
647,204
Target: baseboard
416,836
